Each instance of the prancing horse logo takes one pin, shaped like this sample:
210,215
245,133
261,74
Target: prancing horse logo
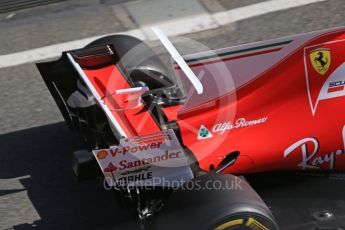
321,60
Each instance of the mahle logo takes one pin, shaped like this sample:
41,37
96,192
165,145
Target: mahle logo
204,133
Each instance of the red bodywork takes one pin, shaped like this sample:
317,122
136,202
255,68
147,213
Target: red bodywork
294,124
108,79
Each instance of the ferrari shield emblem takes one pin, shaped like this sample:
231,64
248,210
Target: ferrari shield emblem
325,80
320,60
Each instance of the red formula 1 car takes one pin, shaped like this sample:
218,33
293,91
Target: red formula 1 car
170,139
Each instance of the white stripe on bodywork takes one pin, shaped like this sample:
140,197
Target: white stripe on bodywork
337,75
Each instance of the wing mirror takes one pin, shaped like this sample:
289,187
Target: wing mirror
126,99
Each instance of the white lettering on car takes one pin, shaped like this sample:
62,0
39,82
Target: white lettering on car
221,128
311,159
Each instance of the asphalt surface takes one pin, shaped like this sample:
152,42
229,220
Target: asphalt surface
36,186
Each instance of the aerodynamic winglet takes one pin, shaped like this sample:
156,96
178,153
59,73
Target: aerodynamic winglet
179,59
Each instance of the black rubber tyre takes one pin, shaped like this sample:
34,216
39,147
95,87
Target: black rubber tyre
216,202
138,59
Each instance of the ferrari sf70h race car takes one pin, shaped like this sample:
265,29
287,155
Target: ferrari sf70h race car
170,140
